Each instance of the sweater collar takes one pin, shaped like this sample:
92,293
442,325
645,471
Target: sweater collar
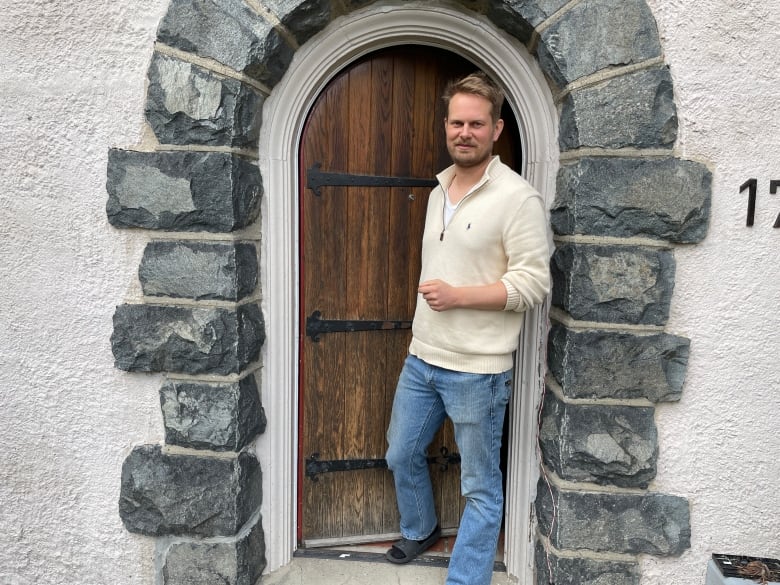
445,177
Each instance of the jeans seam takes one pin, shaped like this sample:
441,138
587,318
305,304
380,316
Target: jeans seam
416,487
493,431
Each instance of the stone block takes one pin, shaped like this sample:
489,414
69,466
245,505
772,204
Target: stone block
630,523
594,363
614,284
303,18
351,5
215,416
239,561
229,32
666,199
595,35
634,110
520,17
164,494
187,104
199,270
604,444
182,191
583,571
151,338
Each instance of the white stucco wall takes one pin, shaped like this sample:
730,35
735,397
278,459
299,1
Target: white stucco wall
72,78
720,446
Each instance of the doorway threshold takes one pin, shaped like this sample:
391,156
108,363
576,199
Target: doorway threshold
361,555
331,567
373,554
373,551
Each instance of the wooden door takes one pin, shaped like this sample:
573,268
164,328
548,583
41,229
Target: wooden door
382,116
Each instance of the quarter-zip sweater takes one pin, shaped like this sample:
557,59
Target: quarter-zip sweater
498,232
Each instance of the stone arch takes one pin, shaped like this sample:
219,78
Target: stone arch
315,63
623,199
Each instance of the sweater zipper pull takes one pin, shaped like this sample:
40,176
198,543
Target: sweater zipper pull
441,237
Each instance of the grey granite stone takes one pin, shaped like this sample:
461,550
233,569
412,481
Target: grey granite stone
649,523
633,110
595,35
229,32
595,363
604,444
164,494
215,416
199,270
182,191
239,561
151,338
187,104
667,198
351,5
552,568
303,18
614,284
520,17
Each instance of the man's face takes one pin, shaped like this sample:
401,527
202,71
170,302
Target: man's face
470,129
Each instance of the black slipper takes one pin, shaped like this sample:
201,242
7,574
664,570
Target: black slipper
406,550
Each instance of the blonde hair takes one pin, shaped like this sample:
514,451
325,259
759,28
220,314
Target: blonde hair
476,84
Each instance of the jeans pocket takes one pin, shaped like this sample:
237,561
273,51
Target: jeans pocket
504,386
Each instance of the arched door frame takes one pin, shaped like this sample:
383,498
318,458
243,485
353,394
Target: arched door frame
284,114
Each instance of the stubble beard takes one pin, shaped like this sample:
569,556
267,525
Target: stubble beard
469,159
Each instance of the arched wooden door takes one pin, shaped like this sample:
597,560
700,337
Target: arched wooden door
382,117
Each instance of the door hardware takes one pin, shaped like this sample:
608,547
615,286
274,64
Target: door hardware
316,178
316,326
315,466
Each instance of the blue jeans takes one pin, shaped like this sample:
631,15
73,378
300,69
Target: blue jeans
476,403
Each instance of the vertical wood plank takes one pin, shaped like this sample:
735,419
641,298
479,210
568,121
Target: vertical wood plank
360,287
376,357
400,298
323,257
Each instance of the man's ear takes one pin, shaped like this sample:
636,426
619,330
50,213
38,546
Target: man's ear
497,130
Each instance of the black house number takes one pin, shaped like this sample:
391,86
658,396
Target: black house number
752,187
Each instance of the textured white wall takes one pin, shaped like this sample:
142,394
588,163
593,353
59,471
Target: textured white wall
72,80
720,446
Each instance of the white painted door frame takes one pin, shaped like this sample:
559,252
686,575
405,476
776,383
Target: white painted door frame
284,113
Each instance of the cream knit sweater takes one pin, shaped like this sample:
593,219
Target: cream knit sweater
498,232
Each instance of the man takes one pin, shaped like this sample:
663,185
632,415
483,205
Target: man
484,262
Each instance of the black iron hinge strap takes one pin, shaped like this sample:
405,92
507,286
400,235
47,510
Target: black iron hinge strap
315,178
316,326
315,466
